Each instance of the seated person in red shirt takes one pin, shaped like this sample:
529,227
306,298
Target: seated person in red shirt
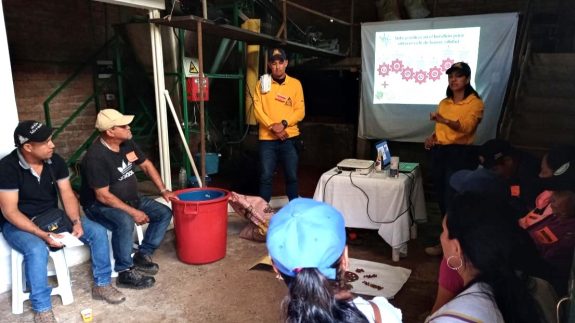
556,158
554,235
481,181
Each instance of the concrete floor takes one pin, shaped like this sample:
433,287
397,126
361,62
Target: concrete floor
226,291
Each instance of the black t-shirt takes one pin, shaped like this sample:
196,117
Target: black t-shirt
525,185
35,195
103,167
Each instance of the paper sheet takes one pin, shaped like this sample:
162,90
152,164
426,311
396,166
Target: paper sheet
391,278
68,240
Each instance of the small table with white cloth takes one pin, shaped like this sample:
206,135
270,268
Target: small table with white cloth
377,201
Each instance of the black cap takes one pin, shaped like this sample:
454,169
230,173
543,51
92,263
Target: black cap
493,150
460,67
31,131
558,155
563,178
276,54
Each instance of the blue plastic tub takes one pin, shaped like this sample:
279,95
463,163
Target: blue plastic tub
201,195
212,162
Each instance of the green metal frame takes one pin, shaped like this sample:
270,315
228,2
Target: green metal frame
65,84
212,76
114,41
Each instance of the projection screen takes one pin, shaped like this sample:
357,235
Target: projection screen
404,64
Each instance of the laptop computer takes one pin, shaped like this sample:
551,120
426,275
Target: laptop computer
383,149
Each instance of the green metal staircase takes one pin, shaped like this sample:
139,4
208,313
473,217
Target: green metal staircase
134,97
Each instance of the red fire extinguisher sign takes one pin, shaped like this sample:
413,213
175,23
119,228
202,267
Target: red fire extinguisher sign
193,88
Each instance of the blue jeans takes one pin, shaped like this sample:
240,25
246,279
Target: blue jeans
35,253
272,151
122,226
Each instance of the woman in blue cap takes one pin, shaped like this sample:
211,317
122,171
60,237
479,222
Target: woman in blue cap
307,243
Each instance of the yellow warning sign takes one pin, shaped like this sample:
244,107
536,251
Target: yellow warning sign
193,68
192,63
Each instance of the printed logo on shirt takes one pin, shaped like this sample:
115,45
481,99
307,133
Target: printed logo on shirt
281,98
125,170
289,102
131,156
515,190
545,236
532,218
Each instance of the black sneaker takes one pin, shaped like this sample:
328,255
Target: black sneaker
131,278
144,264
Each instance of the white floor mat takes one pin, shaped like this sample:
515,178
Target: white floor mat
391,278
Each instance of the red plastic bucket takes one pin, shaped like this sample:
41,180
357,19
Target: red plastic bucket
201,224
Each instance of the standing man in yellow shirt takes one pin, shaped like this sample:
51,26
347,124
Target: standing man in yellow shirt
278,109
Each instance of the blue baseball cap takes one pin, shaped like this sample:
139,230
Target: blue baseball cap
306,234
480,180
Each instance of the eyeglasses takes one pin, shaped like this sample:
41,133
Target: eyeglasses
126,126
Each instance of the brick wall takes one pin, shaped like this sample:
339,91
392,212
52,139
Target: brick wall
48,41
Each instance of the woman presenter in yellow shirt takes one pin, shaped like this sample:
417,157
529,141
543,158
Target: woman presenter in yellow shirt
456,121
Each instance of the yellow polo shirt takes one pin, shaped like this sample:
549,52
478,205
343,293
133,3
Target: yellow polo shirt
468,112
283,102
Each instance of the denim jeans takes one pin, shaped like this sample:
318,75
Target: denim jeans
122,226
272,151
35,254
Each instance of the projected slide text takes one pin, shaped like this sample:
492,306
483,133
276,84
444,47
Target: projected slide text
410,65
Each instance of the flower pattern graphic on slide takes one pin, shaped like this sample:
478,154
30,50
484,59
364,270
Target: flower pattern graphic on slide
383,70
434,73
420,76
446,64
408,74
397,65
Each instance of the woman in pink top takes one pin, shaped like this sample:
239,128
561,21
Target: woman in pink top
450,283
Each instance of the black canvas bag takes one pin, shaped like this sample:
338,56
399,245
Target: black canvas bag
53,220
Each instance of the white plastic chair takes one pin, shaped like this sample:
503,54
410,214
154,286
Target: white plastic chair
60,270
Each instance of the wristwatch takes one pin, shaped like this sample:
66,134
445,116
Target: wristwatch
284,123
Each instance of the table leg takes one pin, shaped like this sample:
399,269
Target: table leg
399,252
413,231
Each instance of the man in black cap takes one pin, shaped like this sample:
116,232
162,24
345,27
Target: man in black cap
31,177
279,107
519,169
